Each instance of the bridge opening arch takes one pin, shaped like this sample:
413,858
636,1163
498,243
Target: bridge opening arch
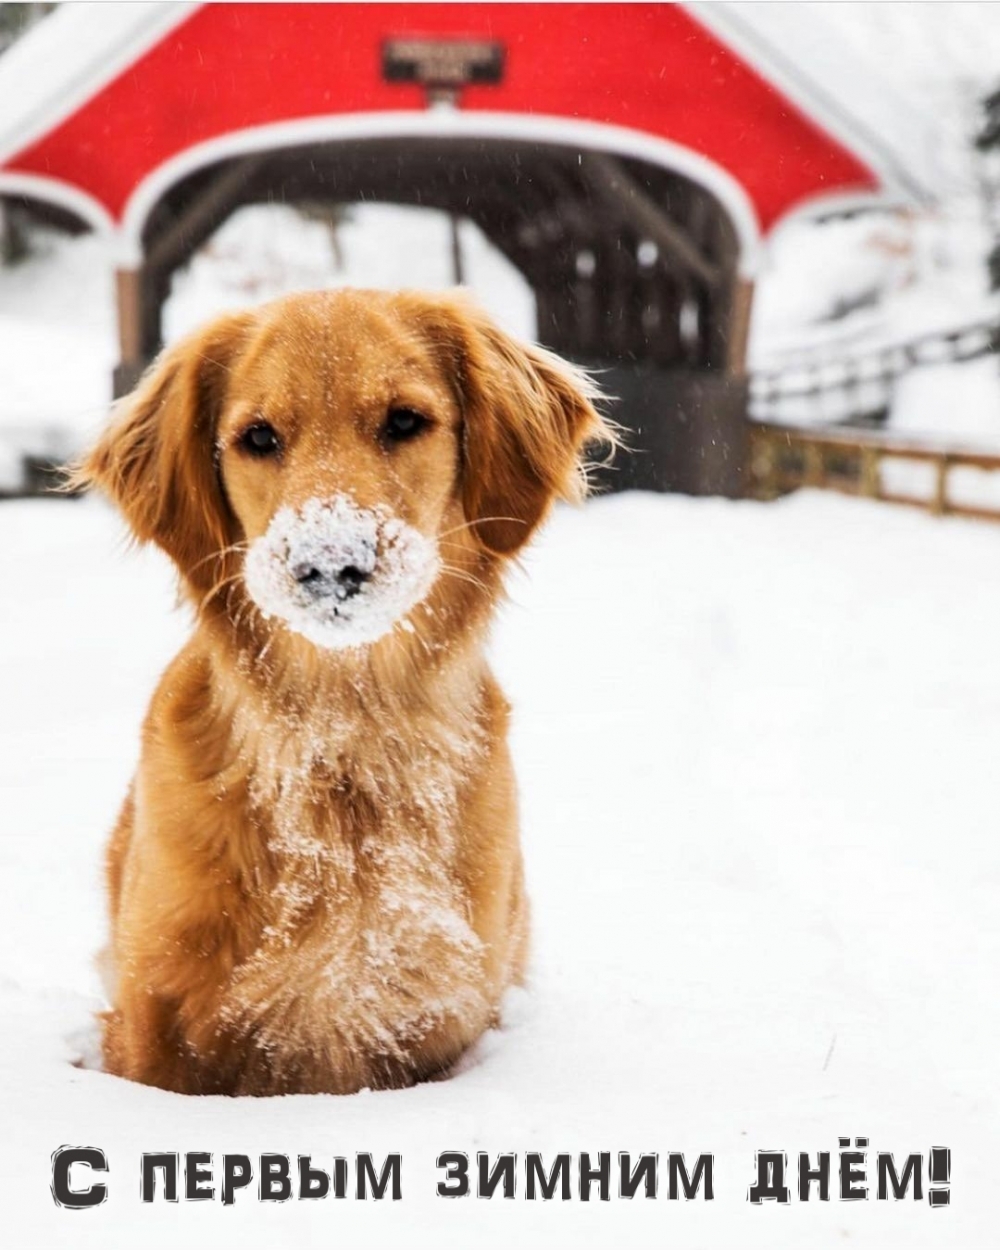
639,262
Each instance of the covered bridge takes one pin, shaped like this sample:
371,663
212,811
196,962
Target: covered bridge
629,160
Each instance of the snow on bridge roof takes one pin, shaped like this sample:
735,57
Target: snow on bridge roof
64,60
801,48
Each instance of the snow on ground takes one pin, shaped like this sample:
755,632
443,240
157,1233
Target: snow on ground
756,747
965,396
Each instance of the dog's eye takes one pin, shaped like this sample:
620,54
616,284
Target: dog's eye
403,423
260,439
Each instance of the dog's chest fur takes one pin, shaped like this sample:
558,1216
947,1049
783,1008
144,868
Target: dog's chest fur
364,943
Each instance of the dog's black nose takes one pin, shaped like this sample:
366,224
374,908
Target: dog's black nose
351,579
342,583
306,574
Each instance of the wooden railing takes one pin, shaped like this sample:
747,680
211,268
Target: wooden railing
872,466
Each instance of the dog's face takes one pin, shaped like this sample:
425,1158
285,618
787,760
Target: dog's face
339,453
344,449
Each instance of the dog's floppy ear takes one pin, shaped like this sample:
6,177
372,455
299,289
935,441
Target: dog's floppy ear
527,418
156,460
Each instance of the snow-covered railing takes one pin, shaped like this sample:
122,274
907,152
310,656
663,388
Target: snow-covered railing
942,480
826,387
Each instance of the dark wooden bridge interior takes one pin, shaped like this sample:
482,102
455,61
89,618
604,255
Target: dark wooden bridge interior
633,266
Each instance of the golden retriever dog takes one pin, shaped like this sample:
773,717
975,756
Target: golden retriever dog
315,881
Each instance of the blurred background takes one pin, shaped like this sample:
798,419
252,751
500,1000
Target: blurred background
748,216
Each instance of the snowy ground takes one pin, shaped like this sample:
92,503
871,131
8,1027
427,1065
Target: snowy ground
757,752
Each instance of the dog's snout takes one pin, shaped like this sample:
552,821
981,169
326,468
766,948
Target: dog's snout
340,574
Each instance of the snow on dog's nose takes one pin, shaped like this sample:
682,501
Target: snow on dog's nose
339,574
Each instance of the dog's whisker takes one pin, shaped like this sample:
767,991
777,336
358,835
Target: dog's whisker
481,521
459,547
463,576
445,542
217,589
220,554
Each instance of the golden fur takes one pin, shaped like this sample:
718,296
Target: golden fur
315,881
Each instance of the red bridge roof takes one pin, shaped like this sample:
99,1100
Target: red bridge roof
103,106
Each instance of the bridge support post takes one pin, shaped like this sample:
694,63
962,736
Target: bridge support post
132,359
739,327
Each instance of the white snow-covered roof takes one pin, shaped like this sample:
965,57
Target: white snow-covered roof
69,56
802,48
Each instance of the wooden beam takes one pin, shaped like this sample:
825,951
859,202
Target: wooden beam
739,327
128,296
202,215
614,186
134,351
457,267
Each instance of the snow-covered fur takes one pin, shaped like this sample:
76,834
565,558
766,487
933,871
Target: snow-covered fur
315,881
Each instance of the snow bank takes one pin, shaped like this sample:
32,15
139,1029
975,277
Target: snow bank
859,289
57,348
756,748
